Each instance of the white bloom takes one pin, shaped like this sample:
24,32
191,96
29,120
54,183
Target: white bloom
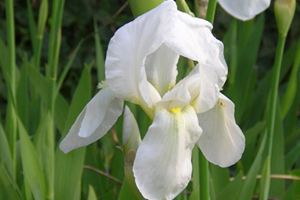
244,9
141,67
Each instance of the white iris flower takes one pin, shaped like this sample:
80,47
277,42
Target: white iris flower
244,9
141,67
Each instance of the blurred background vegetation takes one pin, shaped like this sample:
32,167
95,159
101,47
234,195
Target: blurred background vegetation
77,23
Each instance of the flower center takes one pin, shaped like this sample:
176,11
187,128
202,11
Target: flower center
175,110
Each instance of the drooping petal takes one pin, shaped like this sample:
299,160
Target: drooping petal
98,116
244,9
129,47
222,141
192,38
202,84
161,68
162,166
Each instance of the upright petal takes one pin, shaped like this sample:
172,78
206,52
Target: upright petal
97,117
192,38
177,97
222,141
129,47
244,9
161,69
162,166
202,84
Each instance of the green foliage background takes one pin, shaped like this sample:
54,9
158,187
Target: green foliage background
51,71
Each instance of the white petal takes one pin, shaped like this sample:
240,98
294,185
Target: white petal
129,47
209,90
244,9
177,97
98,116
131,132
154,95
161,69
192,38
202,84
222,141
162,167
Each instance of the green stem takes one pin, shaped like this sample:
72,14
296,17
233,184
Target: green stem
11,123
31,24
196,170
272,113
182,6
51,74
43,14
274,91
54,47
204,178
211,9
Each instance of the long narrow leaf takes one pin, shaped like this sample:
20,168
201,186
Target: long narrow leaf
250,182
22,95
277,160
44,143
31,23
291,157
42,87
69,166
8,187
232,190
67,67
31,165
92,194
5,155
265,181
99,54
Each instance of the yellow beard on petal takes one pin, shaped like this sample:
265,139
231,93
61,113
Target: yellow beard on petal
175,110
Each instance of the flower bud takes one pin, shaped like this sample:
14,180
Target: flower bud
139,7
284,13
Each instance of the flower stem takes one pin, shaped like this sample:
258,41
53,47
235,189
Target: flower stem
11,119
274,90
272,113
211,9
196,168
204,178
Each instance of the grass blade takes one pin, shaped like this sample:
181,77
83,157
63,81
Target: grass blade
69,167
92,194
31,165
231,191
99,54
8,187
5,156
265,181
250,182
